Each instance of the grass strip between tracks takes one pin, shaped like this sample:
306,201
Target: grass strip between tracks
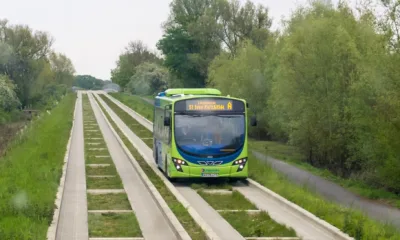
30,174
350,221
222,201
136,103
105,224
113,225
194,230
118,201
259,225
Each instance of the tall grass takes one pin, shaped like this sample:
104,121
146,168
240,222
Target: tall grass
136,103
30,174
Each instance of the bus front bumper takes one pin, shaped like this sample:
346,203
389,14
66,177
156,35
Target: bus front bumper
209,172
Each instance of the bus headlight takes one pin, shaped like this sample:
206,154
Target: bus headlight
241,162
178,164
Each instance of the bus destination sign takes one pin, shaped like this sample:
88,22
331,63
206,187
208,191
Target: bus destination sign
209,105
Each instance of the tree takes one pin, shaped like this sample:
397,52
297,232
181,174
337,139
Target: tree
62,68
238,23
89,82
149,78
135,54
190,41
326,86
8,98
244,77
29,49
390,24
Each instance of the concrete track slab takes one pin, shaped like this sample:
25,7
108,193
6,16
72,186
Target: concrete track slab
285,216
222,228
73,221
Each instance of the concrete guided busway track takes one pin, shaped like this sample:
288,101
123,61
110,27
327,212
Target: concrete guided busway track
153,223
307,225
71,219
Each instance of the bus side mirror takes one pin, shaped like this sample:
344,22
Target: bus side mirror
253,121
167,121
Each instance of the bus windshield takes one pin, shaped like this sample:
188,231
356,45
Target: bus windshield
209,135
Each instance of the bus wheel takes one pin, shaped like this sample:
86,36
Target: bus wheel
235,180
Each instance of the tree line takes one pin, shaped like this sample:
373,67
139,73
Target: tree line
327,81
89,82
31,73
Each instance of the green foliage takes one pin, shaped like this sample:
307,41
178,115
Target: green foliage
150,78
135,54
89,82
34,69
196,32
180,51
8,98
243,77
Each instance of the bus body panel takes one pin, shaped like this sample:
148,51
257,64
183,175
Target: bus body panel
166,150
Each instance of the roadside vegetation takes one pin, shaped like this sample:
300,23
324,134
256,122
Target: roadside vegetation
30,173
350,221
325,82
32,76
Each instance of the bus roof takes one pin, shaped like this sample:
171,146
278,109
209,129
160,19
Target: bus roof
190,91
176,94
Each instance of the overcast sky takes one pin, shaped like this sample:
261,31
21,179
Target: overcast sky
92,33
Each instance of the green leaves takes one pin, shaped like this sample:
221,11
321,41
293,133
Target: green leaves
135,54
8,98
149,79
27,60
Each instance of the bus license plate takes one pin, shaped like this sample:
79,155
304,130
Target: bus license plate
209,175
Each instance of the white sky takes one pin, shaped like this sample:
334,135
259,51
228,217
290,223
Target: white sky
93,33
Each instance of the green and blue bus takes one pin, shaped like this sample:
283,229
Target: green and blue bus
199,133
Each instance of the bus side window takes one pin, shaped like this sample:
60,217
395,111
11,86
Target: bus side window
168,114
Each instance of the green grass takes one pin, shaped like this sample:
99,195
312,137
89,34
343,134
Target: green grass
136,103
97,152
30,173
353,222
89,146
194,230
113,225
257,225
110,170
104,183
234,201
117,201
293,156
94,160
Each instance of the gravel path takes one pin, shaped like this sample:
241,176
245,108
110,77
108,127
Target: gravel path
333,191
